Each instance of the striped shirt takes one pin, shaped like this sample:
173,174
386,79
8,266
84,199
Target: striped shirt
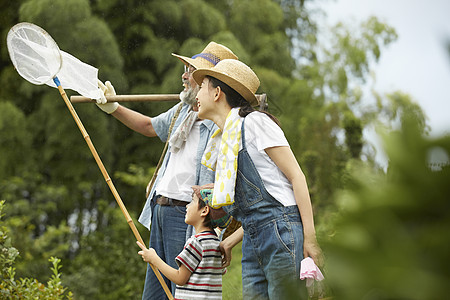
201,255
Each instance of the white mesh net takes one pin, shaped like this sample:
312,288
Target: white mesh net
79,76
37,58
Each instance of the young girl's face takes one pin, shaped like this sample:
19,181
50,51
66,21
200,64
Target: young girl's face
192,211
204,99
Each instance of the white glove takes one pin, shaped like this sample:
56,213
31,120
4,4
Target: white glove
108,90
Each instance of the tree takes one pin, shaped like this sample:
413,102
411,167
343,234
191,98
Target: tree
14,137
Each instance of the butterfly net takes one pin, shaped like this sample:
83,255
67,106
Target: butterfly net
38,59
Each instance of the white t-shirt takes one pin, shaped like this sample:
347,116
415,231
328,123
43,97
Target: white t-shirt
179,176
262,133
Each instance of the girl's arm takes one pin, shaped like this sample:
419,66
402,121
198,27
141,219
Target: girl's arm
227,245
179,277
285,160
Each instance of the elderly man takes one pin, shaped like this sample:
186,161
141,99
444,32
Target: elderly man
181,168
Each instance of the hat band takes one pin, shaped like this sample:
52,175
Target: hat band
209,57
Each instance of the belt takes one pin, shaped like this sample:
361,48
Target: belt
164,201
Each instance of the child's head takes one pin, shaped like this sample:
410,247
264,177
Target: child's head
215,217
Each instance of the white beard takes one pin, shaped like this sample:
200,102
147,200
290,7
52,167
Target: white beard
189,96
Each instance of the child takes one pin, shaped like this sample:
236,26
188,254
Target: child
200,263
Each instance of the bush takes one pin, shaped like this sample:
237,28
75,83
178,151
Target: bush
390,238
25,288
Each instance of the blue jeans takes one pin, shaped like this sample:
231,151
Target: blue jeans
271,255
272,247
167,237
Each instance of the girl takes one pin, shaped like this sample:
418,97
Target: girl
258,181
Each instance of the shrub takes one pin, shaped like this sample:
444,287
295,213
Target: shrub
25,288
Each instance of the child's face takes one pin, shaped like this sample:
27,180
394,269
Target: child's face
192,211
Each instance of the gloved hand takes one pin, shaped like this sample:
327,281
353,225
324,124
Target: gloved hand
108,90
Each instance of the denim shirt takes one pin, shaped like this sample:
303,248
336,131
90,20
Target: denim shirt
203,175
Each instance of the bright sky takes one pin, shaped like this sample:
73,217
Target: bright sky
418,62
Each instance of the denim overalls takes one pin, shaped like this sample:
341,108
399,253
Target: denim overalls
272,247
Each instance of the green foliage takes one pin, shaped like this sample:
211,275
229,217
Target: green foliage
30,288
358,48
16,140
353,135
389,239
38,229
8,253
108,266
400,105
136,176
326,92
25,288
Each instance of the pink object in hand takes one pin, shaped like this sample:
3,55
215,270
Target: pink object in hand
308,269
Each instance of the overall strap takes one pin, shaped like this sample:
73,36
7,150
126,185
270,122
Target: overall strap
243,134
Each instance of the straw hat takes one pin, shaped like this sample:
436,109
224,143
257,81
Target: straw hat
236,75
209,57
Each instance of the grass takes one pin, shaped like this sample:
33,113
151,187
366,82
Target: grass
232,280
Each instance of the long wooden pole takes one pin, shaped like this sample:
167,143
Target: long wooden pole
109,181
140,98
129,98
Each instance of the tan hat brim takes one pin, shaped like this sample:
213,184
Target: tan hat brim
198,63
200,74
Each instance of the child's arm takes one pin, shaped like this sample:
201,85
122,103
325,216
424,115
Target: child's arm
179,277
